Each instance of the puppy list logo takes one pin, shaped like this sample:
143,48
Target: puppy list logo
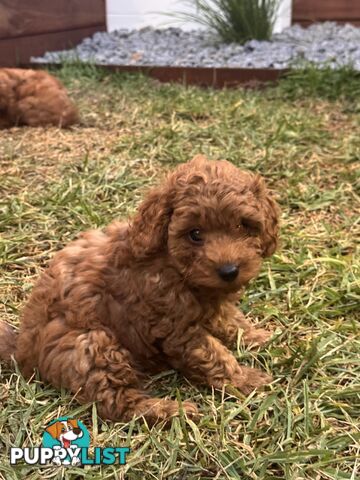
66,441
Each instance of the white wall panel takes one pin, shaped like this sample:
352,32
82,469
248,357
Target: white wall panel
141,13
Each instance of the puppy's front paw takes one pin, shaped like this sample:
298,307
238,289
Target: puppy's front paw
191,410
257,337
249,379
156,410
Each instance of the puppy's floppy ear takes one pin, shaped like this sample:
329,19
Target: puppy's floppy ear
148,229
271,212
73,422
54,429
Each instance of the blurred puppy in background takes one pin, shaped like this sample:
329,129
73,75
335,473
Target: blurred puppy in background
34,98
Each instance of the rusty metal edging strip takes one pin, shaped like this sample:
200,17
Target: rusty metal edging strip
201,76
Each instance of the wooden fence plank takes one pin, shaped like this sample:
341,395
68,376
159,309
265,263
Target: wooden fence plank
310,11
23,17
17,51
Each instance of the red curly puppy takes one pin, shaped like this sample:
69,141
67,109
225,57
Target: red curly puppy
34,98
158,293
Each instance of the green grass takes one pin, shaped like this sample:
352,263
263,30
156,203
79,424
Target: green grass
305,140
324,82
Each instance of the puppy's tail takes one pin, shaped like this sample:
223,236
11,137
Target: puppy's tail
7,341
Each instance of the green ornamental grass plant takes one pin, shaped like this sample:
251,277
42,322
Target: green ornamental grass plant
233,20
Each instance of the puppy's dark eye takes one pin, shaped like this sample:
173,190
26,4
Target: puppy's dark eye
251,226
195,236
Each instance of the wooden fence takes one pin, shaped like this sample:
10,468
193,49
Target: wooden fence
306,12
30,28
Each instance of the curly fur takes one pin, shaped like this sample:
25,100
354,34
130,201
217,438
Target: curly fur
134,299
34,98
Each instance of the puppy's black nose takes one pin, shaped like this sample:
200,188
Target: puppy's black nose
77,431
228,272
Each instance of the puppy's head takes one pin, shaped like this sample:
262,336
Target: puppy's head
214,221
68,429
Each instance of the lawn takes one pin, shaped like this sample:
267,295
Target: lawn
303,136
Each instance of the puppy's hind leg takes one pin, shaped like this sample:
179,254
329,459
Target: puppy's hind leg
95,367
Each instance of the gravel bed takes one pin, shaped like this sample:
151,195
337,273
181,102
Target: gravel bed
322,43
